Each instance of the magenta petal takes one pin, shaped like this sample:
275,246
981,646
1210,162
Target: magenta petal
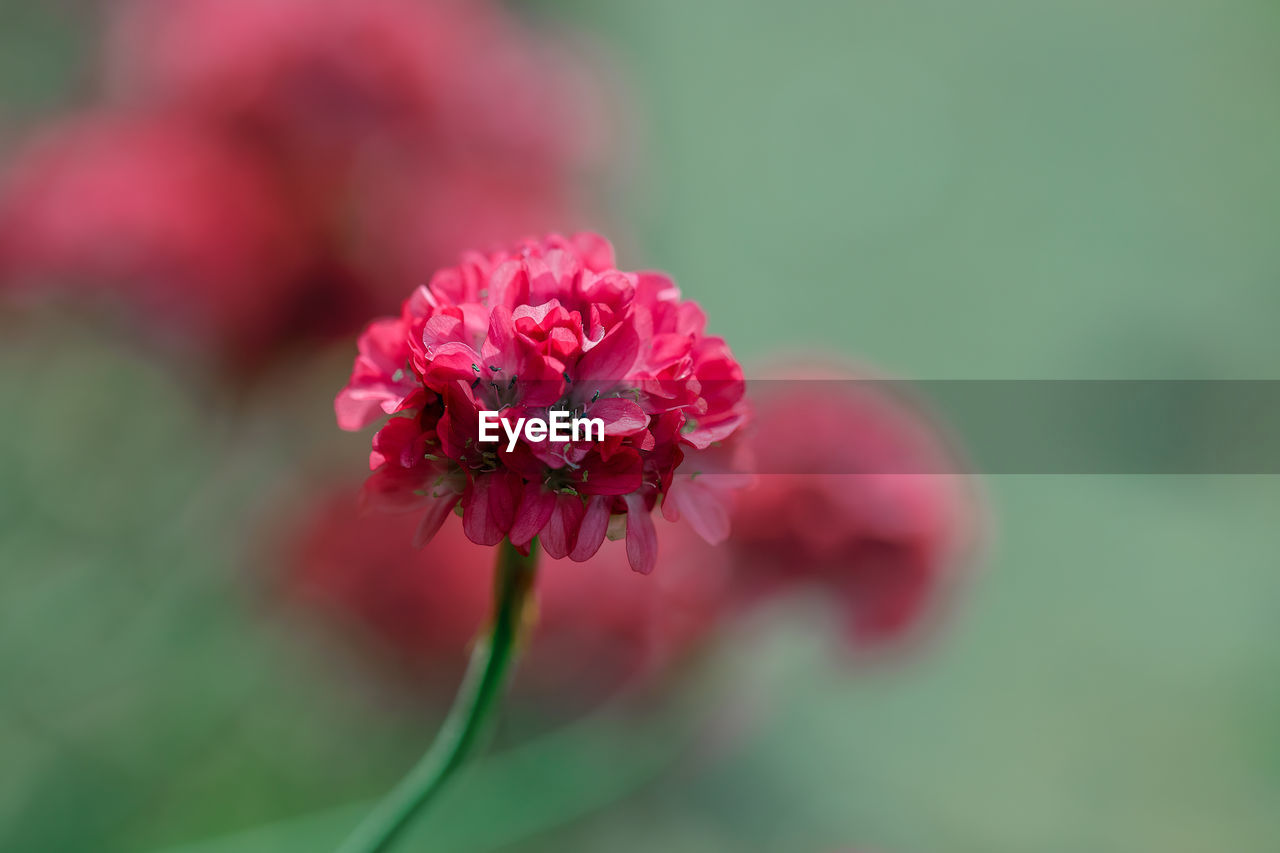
437,511
621,473
442,329
536,506
508,285
620,416
452,361
561,533
642,539
612,359
502,330
595,523
477,517
504,490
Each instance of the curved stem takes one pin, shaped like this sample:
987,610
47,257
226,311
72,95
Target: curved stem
477,698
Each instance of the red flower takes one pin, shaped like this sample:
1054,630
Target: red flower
155,213
262,175
406,130
549,326
597,629
856,492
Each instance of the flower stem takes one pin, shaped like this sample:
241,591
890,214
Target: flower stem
476,700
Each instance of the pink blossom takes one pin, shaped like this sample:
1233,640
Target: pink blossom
406,131
260,177
858,493
549,325
155,214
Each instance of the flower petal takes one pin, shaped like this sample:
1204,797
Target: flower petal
702,505
438,509
536,506
478,520
621,473
642,539
611,360
561,533
620,416
595,523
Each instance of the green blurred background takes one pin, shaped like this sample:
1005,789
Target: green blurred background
1037,190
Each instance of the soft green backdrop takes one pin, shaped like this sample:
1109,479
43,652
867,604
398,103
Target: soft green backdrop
1080,189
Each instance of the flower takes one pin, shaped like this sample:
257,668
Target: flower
549,325
405,131
856,492
259,178
596,630
156,214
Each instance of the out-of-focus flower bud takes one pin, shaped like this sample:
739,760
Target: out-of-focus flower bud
857,493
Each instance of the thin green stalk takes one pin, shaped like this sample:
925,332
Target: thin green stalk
476,700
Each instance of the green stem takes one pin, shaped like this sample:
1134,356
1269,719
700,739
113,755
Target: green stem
474,704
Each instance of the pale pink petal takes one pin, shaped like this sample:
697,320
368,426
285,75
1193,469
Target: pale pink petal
620,416
356,408
438,509
701,504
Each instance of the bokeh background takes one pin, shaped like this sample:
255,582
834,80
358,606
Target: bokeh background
980,190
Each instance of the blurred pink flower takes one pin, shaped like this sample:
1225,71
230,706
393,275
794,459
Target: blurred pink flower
857,493
363,145
598,628
412,129
155,213
547,326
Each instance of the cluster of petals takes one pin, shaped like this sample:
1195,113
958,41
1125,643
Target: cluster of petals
549,325
599,628
259,175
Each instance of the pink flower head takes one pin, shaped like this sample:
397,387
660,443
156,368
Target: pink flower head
870,504
158,215
547,326
597,629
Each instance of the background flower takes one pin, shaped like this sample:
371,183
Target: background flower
151,212
596,628
386,136
858,493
